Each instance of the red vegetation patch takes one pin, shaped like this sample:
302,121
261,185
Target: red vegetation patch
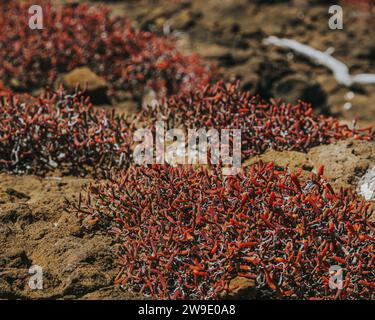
184,233
60,131
4,91
264,125
83,35
363,9
363,4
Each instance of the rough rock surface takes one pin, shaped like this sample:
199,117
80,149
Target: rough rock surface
94,86
241,288
35,230
345,161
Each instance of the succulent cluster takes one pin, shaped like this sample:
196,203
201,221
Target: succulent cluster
364,4
81,35
184,233
264,125
4,91
61,131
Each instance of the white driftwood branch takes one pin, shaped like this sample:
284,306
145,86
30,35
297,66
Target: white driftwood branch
339,69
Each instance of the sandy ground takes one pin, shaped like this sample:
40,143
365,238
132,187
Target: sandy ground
79,263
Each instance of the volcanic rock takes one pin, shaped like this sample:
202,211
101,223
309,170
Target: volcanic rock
95,86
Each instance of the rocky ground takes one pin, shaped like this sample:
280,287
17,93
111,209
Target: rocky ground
231,33
35,229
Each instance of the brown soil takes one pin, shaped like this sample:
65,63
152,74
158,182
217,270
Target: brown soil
35,230
79,263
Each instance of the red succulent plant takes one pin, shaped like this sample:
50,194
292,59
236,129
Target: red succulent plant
82,35
264,124
61,131
184,233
